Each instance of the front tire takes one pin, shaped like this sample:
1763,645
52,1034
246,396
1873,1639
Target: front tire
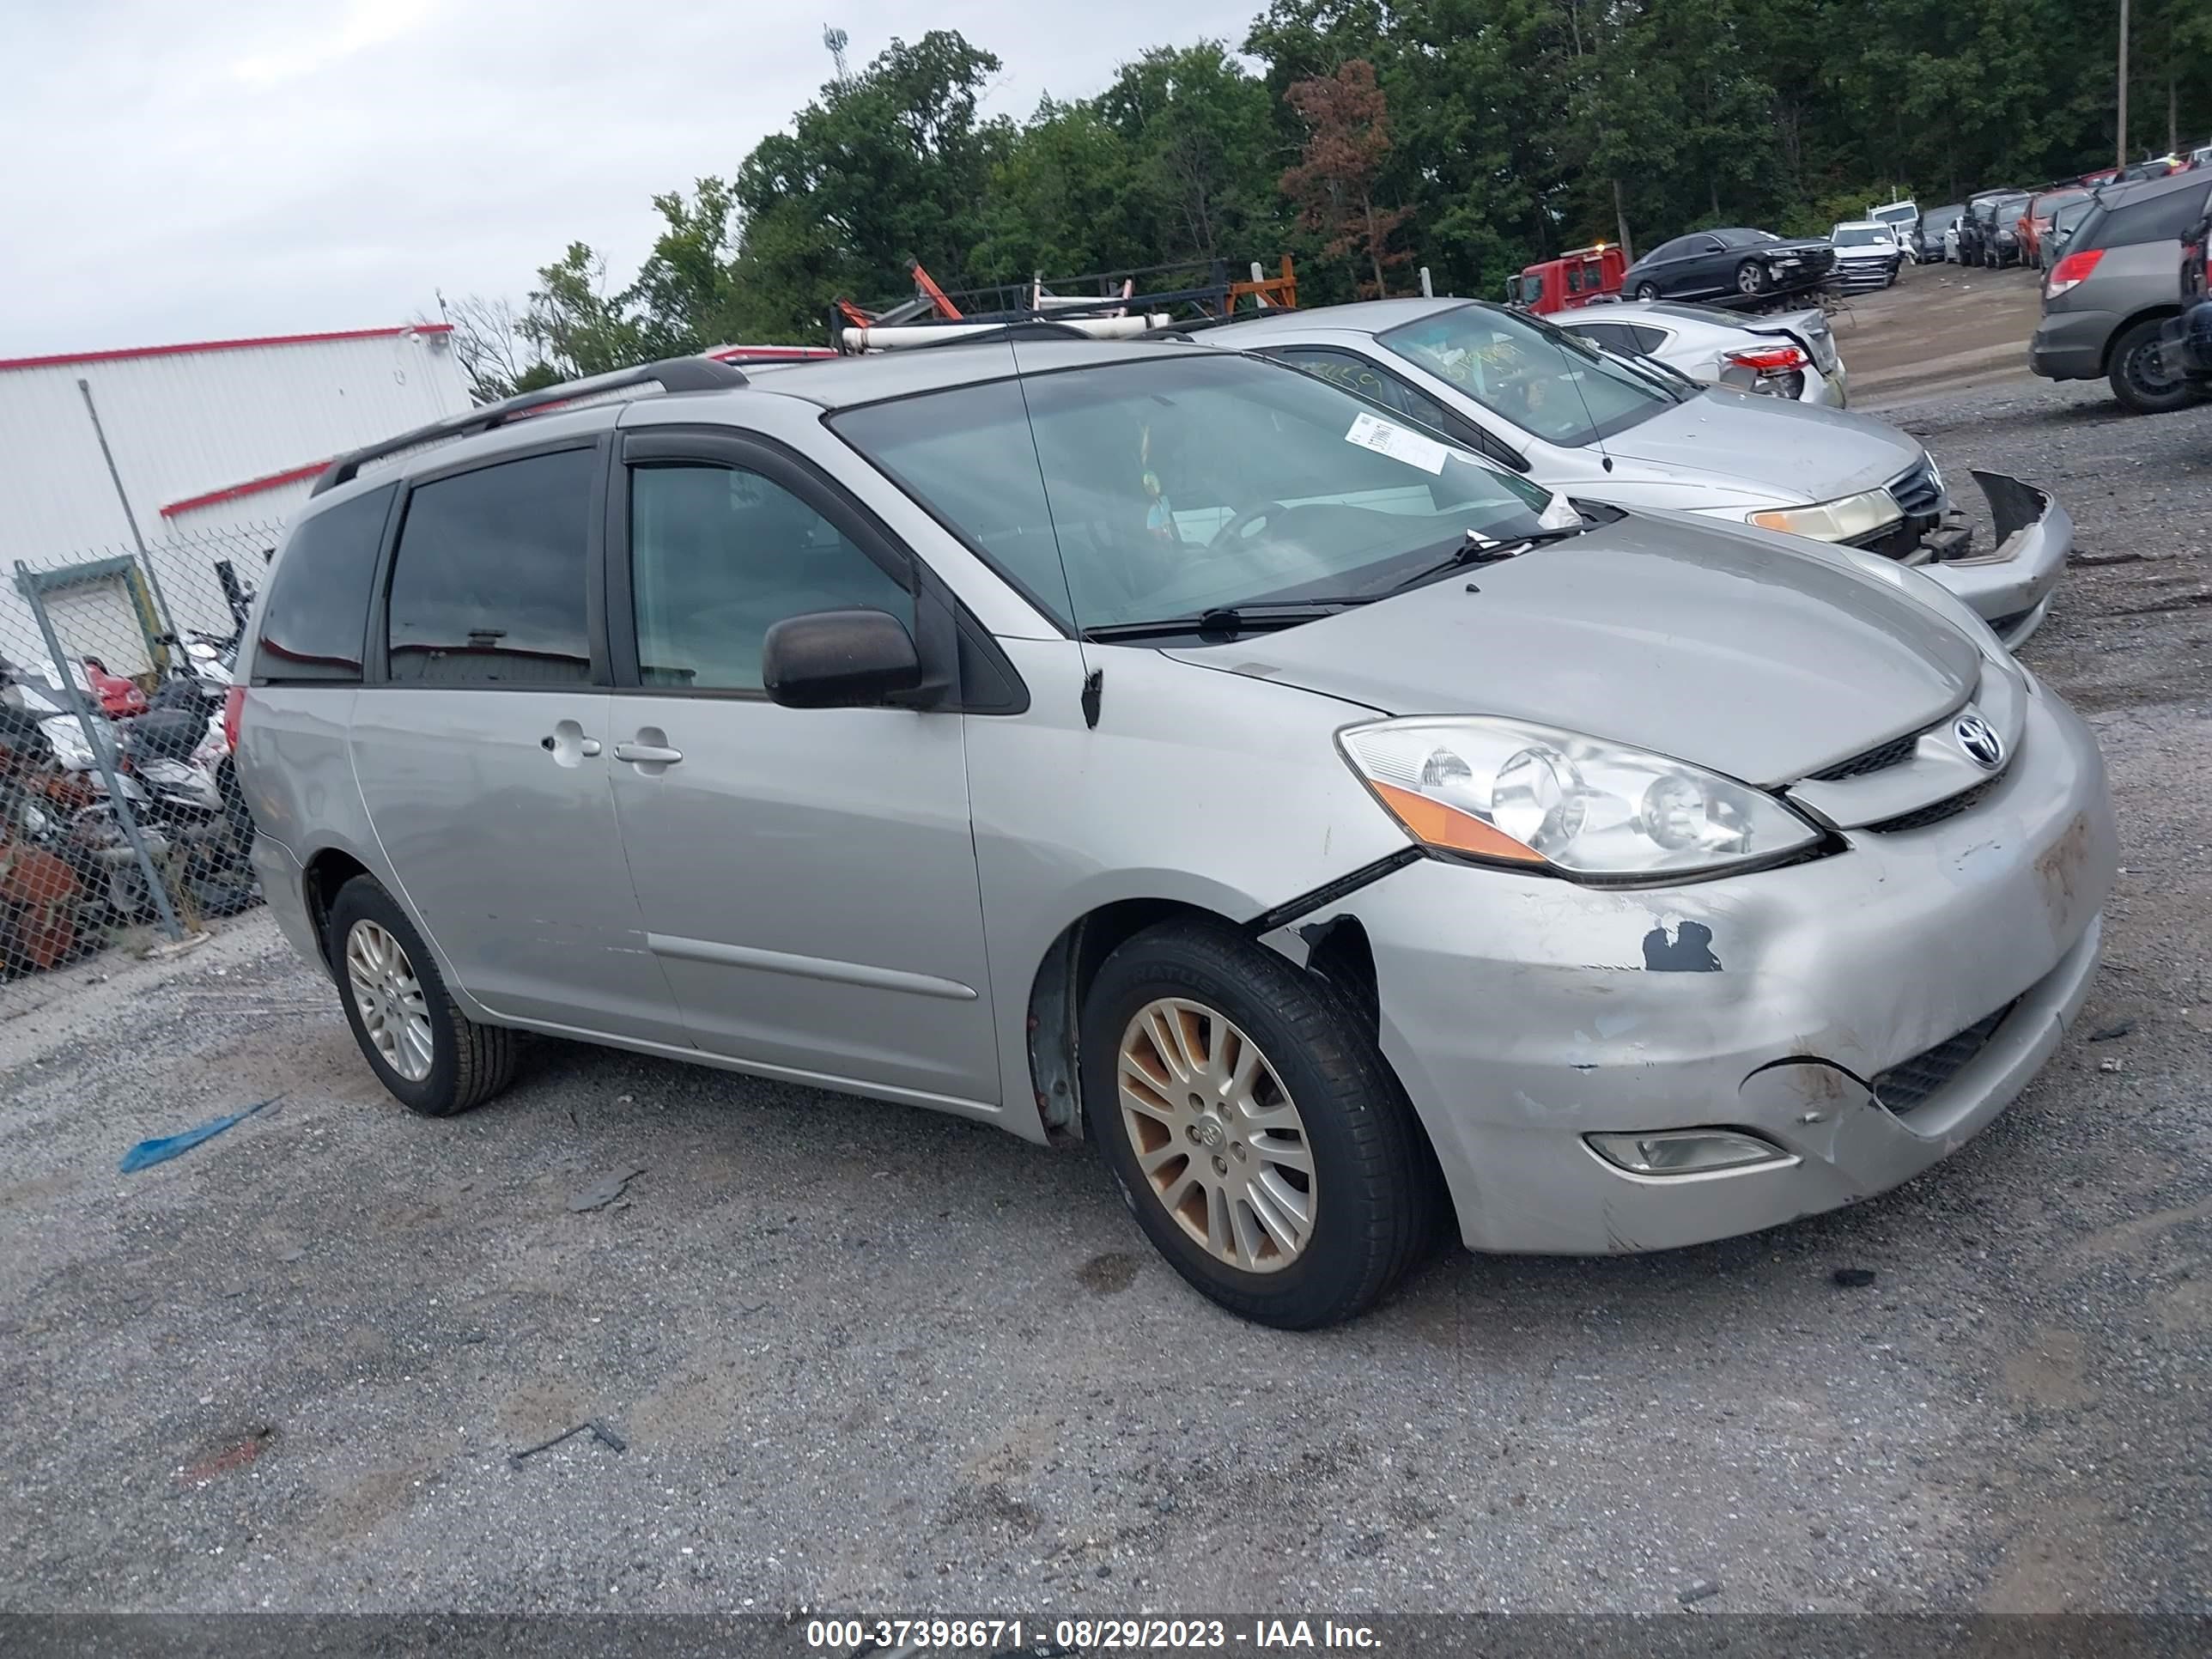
1257,1133
1751,277
432,1057
2140,381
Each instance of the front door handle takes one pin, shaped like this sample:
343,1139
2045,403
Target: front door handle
568,744
647,754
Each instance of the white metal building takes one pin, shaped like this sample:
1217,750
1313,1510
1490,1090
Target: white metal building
212,441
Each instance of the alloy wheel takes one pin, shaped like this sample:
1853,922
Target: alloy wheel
1217,1138
390,1000
1750,279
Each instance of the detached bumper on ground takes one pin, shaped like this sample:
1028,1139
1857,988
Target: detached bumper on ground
1865,1013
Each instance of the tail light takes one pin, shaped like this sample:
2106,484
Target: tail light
2071,271
234,705
1771,360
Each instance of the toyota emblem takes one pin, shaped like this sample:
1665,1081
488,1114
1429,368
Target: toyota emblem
1980,741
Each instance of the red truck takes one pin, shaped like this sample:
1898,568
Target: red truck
1570,282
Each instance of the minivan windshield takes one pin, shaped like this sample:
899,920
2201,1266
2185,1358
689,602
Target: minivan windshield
1543,380
1194,481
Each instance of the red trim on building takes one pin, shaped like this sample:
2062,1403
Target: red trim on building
251,487
125,352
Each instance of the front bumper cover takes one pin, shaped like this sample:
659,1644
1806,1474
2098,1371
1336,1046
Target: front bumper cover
1523,1013
2010,587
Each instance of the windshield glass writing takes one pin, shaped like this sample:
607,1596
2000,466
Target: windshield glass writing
1541,379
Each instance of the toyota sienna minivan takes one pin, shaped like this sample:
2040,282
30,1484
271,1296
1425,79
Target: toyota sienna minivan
1155,746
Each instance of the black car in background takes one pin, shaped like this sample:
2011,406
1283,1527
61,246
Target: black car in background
1975,223
1731,261
2000,244
1928,235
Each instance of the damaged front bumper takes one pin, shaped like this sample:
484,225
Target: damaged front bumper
2010,587
1841,1009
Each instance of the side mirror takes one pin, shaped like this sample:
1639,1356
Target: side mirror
839,660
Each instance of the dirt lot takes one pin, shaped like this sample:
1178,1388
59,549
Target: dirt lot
866,1358
1939,331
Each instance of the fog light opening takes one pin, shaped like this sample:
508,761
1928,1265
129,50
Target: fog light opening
1686,1151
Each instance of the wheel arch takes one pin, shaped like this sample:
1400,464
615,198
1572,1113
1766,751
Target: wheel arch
322,875
2150,313
1335,952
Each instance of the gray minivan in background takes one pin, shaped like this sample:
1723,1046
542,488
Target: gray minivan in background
1155,746
2107,297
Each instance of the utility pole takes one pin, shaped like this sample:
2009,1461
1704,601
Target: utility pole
2123,84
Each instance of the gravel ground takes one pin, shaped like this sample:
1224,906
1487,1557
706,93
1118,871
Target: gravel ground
866,1358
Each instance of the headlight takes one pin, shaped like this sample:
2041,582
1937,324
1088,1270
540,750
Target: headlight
1531,795
1833,521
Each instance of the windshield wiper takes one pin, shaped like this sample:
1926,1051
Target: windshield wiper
1226,621
1475,550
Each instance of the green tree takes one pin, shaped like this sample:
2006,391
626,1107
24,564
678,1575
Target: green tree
1198,133
575,325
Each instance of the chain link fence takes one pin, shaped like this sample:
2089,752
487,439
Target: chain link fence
121,823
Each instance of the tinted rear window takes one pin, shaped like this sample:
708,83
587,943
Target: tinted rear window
488,582
317,616
2165,217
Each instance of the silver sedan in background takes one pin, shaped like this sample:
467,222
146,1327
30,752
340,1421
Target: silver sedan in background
1791,356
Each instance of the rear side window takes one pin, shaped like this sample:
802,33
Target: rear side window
2163,218
317,616
488,583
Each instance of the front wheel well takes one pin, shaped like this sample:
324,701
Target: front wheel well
1337,953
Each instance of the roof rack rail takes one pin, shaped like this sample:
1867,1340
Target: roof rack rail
670,374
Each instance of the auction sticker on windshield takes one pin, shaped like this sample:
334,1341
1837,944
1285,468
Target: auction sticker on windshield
1397,443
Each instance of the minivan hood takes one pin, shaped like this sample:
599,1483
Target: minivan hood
1757,655
1800,451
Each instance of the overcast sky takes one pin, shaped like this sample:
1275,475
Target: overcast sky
203,170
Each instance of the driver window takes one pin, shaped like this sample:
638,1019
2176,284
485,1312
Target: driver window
717,554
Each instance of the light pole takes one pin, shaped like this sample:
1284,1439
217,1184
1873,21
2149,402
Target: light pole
2123,142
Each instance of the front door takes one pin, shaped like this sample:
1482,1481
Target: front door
480,745
807,877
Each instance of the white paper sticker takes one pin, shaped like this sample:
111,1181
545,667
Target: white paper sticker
1397,443
1558,513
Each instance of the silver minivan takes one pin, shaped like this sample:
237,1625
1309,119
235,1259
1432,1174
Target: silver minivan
1149,744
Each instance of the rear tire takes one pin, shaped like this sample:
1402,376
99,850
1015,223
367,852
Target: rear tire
1647,290
1344,1172
467,1063
2140,381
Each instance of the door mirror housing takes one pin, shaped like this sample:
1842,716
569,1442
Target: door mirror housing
839,660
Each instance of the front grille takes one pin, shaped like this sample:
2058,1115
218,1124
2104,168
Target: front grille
1935,812
1906,1086
1918,493
1895,753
